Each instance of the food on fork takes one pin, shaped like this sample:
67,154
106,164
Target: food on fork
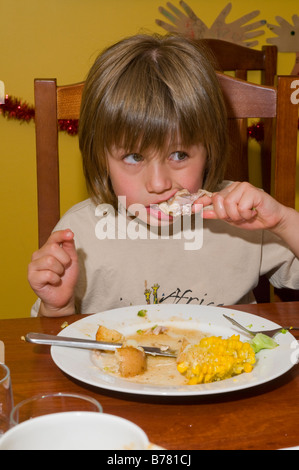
215,358
181,203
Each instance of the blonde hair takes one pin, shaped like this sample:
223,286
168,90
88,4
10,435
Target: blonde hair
144,90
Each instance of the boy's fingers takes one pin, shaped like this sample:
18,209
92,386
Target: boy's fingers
60,236
65,239
44,278
59,245
204,200
219,207
49,263
201,203
70,249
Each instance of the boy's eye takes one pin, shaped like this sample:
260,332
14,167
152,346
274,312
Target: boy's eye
133,158
178,156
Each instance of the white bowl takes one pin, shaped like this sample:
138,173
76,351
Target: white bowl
75,430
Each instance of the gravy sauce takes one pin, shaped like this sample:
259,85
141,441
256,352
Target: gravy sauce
161,370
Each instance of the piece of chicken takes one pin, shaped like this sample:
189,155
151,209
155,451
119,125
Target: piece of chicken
181,202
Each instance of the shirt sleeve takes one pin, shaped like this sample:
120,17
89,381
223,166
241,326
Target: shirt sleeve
279,263
35,308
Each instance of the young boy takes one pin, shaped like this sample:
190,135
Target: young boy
152,123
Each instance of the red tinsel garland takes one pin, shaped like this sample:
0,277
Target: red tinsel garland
68,125
256,131
13,108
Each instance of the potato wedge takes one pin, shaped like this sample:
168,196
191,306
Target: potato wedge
132,361
111,336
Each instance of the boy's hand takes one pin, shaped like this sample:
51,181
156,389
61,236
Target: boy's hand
245,206
53,273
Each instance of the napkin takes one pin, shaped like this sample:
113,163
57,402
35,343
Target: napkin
2,352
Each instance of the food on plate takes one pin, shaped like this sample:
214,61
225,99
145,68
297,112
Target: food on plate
200,359
215,358
110,336
142,313
261,341
181,202
154,330
131,360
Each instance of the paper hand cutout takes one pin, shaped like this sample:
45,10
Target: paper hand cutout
189,24
287,39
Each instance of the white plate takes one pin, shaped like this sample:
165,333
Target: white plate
208,319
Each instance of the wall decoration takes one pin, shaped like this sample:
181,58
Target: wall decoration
14,108
287,38
188,23
243,31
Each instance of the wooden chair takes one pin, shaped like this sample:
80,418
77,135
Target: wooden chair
243,99
240,60
51,104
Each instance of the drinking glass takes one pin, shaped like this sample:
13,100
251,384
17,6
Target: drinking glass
6,398
41,405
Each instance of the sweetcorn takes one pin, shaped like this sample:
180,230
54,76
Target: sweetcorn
215,358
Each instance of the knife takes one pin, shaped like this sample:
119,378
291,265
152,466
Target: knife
52,340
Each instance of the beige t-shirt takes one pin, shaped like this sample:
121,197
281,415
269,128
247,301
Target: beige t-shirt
123,264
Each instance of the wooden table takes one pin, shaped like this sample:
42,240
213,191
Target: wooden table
262,417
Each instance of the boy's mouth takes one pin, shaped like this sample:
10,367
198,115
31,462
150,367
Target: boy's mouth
156,213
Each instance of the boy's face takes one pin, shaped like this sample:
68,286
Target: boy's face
151,178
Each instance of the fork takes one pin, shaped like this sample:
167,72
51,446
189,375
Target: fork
269,333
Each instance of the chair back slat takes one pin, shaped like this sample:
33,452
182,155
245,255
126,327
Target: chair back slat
241,60
232,57
285,144
262,102
47,163
69,101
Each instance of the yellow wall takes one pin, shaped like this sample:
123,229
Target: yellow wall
60,38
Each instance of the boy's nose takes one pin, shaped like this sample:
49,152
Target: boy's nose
158,179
